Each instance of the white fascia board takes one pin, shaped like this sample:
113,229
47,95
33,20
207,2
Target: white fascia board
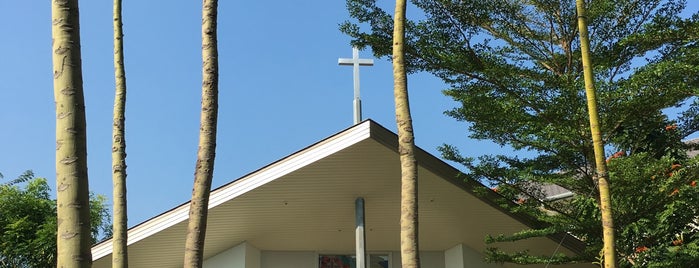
245,184
559,196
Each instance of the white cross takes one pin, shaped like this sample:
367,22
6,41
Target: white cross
355,61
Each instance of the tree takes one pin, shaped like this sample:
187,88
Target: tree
120,223
409,247
71,148
602,175
198,210
515,70
28,222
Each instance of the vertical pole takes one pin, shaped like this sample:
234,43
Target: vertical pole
357,110
357,101
360,235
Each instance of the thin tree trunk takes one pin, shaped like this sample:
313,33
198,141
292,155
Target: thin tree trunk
72,192
196,230
406,146
598,144
119,237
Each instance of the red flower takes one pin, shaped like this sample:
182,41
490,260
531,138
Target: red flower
674,192
641,249
616,155
693,184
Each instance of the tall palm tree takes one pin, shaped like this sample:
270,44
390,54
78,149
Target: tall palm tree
406,146
598,143
196,230
119,228
72,194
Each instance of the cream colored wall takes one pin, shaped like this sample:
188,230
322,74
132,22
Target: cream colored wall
461,256
247,256
431,259
252,257
231,258
243,255
288,259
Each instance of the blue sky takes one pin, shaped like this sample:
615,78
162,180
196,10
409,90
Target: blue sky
280,91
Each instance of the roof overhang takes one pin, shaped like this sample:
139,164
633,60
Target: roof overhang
305,202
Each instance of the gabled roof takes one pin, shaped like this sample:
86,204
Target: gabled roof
305,201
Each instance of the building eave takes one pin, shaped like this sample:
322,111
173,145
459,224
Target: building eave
245,184
367,153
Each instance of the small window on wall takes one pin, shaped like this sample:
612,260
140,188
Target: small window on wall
350,261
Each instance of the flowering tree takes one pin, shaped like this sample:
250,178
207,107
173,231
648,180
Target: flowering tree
514,70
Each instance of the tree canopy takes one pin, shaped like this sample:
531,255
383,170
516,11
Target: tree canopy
28,222
514,68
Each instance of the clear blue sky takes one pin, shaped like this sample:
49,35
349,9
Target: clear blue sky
280,91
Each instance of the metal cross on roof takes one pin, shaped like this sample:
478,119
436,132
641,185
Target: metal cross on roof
355,61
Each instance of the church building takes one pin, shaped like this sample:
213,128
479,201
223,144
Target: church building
304,210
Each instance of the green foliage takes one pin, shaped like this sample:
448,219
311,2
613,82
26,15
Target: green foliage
28,222
523,257
655,211
514,68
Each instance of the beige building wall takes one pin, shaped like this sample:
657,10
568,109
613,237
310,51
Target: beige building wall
427,259
289,259
247,256
243,255
461,256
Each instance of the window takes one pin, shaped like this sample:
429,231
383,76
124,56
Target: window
350,261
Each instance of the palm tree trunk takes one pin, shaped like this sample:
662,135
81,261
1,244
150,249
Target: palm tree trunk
196,230
72,192
406,146
119,237
598,143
